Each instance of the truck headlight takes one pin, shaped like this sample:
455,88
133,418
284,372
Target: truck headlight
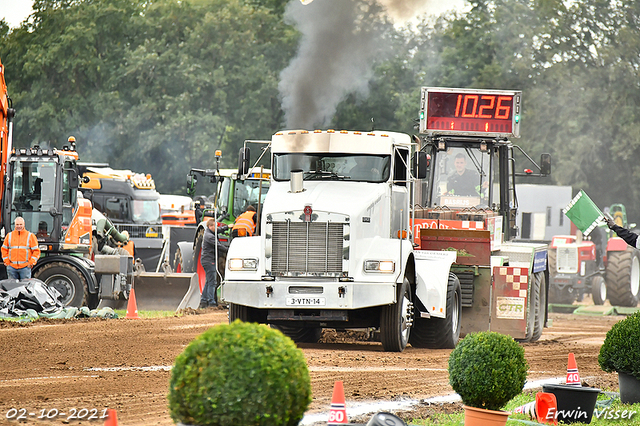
382,266
238,264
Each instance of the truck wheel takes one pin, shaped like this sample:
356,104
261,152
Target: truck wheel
67,279
598,290
300,334
441,333
396,320
539,304
623,277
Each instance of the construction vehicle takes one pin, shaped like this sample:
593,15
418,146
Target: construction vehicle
603,265
233,194
131,203
346,244
41,185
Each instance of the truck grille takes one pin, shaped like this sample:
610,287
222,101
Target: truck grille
307,247
567,260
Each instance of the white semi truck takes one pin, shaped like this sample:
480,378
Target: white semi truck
359,231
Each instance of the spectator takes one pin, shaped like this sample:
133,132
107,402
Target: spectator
20,251
208,258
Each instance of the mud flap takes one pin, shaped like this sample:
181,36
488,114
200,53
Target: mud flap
166,292
432,277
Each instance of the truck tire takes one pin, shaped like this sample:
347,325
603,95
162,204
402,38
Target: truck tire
441,333
539,294
623,277
598,290
67,279
396,320
300,334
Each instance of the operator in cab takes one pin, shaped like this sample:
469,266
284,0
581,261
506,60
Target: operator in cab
463,181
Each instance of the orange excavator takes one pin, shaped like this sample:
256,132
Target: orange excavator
41,186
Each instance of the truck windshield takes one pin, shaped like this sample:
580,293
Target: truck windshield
33,195
317,166
461,178
247,194
146,211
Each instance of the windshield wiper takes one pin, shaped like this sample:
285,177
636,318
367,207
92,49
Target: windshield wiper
321,174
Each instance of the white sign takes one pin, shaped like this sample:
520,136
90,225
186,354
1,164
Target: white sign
510,307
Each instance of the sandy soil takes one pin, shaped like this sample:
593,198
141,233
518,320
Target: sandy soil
125,365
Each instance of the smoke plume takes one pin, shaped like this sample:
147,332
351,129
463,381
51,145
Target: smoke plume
340,41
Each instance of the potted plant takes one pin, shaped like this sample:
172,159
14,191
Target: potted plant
487,370
620,353
240,374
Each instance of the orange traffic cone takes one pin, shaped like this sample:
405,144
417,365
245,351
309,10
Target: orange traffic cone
543,409
573,377
338,413
132,306
112,418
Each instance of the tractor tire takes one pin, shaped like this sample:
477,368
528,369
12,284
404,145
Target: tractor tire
396,320
197,264
552,255
300,334
68,280
598,290
183,260
565,296
539,294
441,333
623,277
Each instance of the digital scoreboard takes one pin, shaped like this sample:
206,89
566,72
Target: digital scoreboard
471,112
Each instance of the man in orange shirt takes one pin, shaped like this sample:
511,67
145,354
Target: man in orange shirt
245,224
20,251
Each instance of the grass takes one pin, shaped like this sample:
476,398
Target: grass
122,313
607,407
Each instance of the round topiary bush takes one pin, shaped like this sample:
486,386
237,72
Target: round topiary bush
240,374
487,370
621,348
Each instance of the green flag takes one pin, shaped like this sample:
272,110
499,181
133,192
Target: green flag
583,213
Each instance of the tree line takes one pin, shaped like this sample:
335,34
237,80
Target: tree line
157,86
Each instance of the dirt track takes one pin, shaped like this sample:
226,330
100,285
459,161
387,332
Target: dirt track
124,364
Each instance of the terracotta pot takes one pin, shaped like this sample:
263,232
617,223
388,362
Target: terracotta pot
481,417
629,388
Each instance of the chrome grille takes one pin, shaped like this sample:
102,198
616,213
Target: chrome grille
140,231
567,259
307,247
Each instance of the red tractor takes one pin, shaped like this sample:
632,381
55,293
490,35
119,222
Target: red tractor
604,266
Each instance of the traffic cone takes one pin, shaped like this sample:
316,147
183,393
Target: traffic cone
573,377
338,413
542,410
112,418
132,306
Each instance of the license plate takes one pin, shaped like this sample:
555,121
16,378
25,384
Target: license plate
306,301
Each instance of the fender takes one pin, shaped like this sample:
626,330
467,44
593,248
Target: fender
85,266
432,279
616,244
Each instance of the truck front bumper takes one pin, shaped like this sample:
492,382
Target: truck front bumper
300,295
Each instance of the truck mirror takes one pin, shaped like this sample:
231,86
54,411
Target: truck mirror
420,164
74,182
545,164
243,161
192,181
